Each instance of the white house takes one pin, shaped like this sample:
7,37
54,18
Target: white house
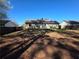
69,24
41,24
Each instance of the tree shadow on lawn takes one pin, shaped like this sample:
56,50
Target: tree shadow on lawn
7,49
56,55
41,47
16,52
73,52
72,34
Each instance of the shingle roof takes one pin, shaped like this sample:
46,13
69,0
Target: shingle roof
41,22
72,22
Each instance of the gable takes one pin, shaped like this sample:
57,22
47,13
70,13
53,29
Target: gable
10,24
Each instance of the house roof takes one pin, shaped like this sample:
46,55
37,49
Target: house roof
41,22
51,22
3,22
8,23
72,22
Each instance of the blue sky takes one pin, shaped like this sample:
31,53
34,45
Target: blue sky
58,10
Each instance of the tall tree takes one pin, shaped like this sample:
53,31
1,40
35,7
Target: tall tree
4,7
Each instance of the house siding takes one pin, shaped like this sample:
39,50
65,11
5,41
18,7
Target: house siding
41,26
